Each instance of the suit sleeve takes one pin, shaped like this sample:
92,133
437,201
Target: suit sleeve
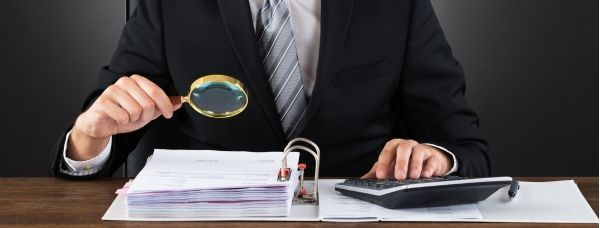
140,51
432,95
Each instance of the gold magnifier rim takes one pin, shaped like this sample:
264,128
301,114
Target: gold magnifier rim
216,78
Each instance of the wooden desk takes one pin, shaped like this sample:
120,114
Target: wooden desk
41,202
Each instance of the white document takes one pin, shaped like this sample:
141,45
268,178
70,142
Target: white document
546,202
200,183
333,206
171,170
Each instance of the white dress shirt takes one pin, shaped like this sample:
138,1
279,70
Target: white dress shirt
306,25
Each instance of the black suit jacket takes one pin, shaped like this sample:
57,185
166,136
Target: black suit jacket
384,71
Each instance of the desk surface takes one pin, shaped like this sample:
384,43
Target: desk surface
68,203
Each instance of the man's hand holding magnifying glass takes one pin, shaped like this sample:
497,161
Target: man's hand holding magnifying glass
126,106
132,102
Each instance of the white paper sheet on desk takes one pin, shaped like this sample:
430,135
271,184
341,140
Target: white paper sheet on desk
548,202
333,206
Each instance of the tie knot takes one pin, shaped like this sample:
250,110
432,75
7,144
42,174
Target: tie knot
272,3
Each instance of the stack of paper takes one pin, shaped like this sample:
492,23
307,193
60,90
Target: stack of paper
196,184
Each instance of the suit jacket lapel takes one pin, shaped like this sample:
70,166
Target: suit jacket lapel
238,24
335,19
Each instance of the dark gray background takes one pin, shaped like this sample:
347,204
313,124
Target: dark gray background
531,68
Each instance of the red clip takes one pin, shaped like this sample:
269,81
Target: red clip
301,166
283,174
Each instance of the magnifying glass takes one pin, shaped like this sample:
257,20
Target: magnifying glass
217,96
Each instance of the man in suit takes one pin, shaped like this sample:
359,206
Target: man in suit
372,82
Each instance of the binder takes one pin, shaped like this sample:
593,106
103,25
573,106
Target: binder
184,183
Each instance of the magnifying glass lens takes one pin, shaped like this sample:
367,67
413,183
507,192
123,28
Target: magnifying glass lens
218,97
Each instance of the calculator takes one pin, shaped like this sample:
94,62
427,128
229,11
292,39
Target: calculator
427,192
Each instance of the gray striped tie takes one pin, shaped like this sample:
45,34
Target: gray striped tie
278,52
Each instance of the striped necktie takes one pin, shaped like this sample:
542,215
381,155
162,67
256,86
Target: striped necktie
280,59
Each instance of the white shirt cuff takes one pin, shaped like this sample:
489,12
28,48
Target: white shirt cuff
89,166
454,161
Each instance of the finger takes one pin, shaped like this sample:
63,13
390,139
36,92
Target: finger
403,152
176,102
114,112
416,161
125,101
160,98
144,101
444,161
371,173
391,170
132,126
386,157
429,168
156,114
438,171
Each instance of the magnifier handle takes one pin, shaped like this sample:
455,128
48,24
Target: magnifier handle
176,101
183,99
